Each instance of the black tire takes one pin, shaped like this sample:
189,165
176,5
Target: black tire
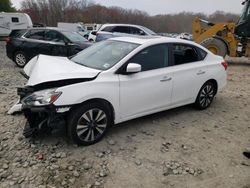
216,46
20,59
205,96
81,127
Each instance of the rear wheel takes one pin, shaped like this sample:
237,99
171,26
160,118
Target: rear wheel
20,59
205,96
88,123
216,46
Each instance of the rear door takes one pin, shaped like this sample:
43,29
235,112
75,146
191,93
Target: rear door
190,73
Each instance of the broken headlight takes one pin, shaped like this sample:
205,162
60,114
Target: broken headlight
41,98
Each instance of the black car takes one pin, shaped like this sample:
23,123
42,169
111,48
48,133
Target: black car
22,45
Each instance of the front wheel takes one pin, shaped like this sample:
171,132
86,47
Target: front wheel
205,96
88,123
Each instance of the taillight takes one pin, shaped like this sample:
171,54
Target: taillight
224,64
7,40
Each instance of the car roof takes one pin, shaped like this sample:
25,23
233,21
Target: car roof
49,28
133,25
149,39
156,40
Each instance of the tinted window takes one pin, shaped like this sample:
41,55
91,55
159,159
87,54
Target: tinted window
136,31
15,19
108,29
154,57
121,29
35,34
184,54
53,36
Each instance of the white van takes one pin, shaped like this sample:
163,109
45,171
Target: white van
77,27
11,21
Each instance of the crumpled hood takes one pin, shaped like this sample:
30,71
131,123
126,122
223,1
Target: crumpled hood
43,68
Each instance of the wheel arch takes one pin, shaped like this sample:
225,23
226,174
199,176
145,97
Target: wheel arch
102,102
214,82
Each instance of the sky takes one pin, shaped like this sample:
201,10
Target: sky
154,7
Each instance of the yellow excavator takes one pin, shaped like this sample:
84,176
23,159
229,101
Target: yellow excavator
223,39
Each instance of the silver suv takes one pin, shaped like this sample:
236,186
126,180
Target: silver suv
117,30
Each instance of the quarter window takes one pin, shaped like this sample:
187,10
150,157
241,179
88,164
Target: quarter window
151,58
35,34
184,54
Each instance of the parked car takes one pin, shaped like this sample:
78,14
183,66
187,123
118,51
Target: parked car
22,45
117,30
118,80
185,36
92,36
11,21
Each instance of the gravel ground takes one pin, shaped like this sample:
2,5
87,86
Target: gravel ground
179,148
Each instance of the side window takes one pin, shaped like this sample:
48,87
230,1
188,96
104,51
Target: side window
136,31
184,54
121,29
53,36
15,19
108,28
35,34
151,58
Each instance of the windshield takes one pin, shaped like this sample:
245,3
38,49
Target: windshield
103,55
149,31
245,12
74,36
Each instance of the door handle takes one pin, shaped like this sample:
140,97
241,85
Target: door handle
201,72
166,79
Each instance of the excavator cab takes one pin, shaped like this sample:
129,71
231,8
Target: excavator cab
243,26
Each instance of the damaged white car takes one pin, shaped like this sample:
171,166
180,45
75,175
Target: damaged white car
117,80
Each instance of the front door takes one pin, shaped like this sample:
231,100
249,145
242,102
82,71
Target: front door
149,90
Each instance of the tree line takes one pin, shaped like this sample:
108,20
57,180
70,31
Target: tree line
50,12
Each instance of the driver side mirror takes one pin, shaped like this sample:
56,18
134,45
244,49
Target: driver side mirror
133,68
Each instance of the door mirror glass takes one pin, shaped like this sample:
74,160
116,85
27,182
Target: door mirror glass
133,68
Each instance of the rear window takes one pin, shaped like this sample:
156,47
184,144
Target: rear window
17,33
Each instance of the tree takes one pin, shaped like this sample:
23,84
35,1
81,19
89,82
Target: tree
6,6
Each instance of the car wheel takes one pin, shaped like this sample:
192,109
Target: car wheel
20,59
205,96
88,123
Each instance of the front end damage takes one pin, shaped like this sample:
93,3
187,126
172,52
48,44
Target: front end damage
45,118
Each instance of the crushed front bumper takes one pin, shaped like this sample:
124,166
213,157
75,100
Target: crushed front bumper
42,118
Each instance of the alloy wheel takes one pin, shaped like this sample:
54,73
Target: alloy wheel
206,95
20,59
91,125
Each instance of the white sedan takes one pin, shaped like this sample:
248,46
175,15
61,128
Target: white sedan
117,80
